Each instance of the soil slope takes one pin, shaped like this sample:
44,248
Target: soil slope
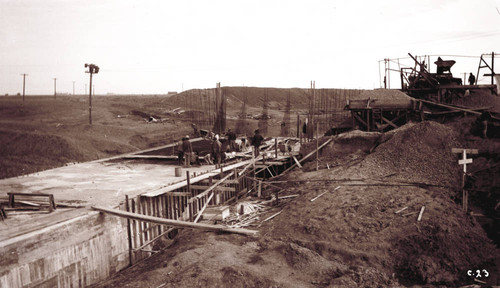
351,235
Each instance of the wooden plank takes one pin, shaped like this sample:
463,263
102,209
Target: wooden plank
389,122
203,208
461,150
312,200
174,223
154,157
134,226
272,216
193,180
451,107
129,232
153,240
220,188
308,155
297,161
138,202
181,194
29,194
421,213
211,187
401,210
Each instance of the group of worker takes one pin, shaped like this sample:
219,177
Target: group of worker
186,156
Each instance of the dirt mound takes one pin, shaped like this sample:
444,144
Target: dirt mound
419,153
356,224
382,94
480,99
46,151
437,255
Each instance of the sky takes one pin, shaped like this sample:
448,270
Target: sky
157,46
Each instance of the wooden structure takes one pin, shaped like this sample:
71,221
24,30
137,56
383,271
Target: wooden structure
184,202
441,86
36,200
380,115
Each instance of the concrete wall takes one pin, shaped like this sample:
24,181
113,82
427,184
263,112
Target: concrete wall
74,253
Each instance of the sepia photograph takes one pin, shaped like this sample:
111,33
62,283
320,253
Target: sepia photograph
323,143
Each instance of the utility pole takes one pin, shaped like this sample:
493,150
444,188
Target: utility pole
73,88
24,83
55,80
93,69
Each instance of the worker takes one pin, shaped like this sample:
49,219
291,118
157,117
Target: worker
187,149
484,118
472,79
180,152
231,137
256,142
217,151
195,130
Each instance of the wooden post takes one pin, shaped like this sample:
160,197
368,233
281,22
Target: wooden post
259,191
276,148
129,233
254,176
298,127
464,161
317,153
189,184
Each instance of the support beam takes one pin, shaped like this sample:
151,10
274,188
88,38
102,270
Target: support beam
175,223
308,155
204,207
210,189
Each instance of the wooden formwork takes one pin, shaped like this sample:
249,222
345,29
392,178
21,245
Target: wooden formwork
183,204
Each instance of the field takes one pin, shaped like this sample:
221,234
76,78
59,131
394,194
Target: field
349,237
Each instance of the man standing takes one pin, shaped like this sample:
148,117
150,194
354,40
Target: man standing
180,152
231,137
472,79
217,151
256,142
187,149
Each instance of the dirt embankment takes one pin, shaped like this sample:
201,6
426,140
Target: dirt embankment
42,132
350,236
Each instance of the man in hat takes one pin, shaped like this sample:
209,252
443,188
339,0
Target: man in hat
256,142
187,149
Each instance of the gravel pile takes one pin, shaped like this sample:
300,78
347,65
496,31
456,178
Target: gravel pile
419,153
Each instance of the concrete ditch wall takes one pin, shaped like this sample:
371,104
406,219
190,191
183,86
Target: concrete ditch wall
74,253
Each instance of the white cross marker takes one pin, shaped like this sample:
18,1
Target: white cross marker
464,161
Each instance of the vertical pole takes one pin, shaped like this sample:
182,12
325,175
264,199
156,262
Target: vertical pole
253,166
55,80
317,153
492,67
24,83
298,125
129,233
90,98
